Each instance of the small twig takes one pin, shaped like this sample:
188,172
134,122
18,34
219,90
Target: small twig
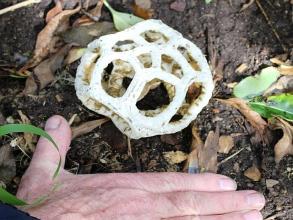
19,5
280,214
129,148
271,24
230,157
94,18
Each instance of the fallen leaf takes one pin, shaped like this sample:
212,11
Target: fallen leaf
203,158
87,127
145,13
253,173
7,164
252,117
175,157
275,106
255,85
226,143
43,74
172,139
28,144
247,5
92,16
270,183
242,68
286,70
83,35
54,11
74,54
122,20
178,5
48,38
283,85
285,144
277,61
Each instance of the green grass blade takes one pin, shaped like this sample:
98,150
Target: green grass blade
5,196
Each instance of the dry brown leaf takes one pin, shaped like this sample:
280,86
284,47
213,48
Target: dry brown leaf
285,144
7,164
286,70
175,157
87,127
91,16
28,137
283,85
253,173
252,117
54,11
49,37
203,158
226,143
74,54
142,11
43,74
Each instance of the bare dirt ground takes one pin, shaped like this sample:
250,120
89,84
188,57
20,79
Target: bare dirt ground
227,36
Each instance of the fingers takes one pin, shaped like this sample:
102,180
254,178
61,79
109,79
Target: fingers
46,159
161,182
249,215
58,128
207,203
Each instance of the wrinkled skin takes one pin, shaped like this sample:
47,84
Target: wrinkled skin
144,196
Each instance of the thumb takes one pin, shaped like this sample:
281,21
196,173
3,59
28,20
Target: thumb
38,178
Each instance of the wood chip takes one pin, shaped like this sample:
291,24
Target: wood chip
270,183
242,68
175,157
253,173
226,143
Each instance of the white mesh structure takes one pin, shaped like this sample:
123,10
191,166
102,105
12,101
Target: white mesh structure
147,55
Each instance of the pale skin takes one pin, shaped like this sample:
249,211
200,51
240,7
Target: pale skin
143,196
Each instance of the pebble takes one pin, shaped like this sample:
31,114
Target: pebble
178,5
271,183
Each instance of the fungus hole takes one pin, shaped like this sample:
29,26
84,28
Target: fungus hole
193,94
89,67
124,45
155,97
190,59
145,59
154,37
171,66
116,77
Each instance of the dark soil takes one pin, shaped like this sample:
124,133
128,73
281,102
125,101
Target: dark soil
227,36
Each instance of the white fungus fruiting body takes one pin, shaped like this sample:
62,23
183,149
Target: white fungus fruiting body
119,70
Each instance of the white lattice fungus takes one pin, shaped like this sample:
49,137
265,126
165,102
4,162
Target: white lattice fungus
148,79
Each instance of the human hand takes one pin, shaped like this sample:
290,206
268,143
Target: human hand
144,196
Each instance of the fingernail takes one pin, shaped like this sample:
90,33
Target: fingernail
256,200
227,184
52,123
252,215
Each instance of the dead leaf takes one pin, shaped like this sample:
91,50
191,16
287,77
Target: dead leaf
277,61
28,144
242,68
203,158
175,157
253,173
91,16
270,183
87,127
54,11
83,35
245,6
286,70
178,5
283,85
7,164
48,38
142,9
74,54
252,117
285,144
226,143
173,139
43,74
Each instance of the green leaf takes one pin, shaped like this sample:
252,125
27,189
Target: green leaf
278,105
122,20
255,85
5,196
208,1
